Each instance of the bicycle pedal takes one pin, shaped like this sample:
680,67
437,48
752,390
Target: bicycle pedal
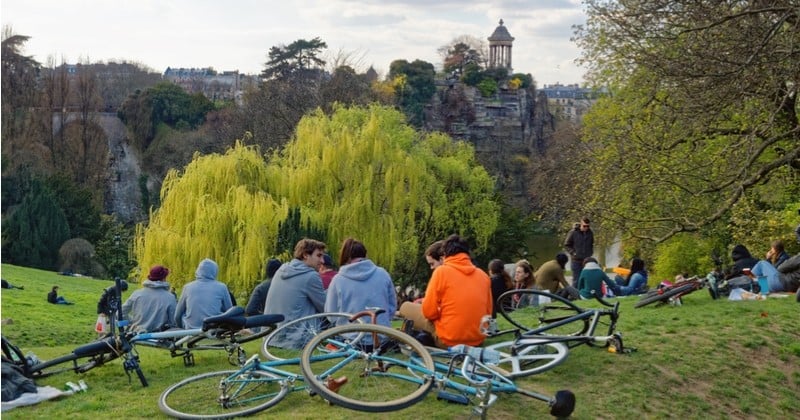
453,398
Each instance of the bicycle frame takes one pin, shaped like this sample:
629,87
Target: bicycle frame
221,330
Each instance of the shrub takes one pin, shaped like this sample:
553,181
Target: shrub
75,256
488,87
683,254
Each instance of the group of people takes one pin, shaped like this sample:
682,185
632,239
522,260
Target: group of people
457,298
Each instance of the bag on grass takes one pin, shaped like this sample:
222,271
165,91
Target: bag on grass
15,383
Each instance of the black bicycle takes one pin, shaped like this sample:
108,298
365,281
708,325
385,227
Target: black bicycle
113,346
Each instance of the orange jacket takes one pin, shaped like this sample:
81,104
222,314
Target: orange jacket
458,296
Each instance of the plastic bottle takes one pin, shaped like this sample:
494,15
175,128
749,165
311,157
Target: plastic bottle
478,353
32,358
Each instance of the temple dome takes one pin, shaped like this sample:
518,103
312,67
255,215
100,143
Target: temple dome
501,33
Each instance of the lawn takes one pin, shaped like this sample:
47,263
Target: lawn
704,359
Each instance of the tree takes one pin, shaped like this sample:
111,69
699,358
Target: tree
19,73
703,113
416,87
35,230
359,172
295,59
463,50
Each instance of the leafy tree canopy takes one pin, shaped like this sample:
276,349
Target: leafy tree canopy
294,59
702,119
360,172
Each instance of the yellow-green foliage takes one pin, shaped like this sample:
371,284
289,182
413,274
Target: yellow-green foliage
682,254
360,172
219,209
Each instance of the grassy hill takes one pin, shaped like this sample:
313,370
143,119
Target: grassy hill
705,359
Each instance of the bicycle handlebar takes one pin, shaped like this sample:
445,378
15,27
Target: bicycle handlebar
603,301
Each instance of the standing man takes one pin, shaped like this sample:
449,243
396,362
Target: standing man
458,296
579,245
296,289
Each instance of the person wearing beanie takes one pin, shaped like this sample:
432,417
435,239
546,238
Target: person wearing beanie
259,296
203,297
152,307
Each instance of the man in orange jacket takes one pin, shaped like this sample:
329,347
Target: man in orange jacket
457,298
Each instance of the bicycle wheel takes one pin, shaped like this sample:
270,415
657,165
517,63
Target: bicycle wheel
288,340
223,394
523,309
386,370
529,356
648,299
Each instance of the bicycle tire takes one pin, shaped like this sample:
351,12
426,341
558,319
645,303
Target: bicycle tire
646,300
521,309
374,381
302,330
140,374
192,397
529,356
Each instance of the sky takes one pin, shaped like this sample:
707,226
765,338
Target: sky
237,34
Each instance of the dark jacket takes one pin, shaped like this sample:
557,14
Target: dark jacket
257,299
789,272
741,259
579,244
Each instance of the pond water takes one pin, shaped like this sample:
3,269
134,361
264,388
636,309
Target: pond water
543,248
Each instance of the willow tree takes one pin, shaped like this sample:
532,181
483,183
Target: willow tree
703,115
217,208
364,172
360,172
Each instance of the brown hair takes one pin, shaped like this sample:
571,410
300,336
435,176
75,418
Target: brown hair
497,267
526,266
351,248
435,250
307,246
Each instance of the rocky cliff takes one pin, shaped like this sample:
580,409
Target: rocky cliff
505,129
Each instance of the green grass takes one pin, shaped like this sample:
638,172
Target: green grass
705,359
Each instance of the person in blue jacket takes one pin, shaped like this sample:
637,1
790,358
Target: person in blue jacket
360,284
203,297
635,283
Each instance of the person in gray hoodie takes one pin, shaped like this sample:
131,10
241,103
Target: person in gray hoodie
203,297
151,308
360,284
296,290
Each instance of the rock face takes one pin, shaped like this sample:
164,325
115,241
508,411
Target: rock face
505,129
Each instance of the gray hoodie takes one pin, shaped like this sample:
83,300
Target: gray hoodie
202,298
150,308
361,285
295,291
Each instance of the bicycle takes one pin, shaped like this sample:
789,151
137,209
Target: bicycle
548,330
220,332
673,293
381,377
115,345
400,373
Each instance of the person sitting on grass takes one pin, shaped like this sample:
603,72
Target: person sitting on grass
636,281
591,279
7,285
152,307
458,296
55,299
